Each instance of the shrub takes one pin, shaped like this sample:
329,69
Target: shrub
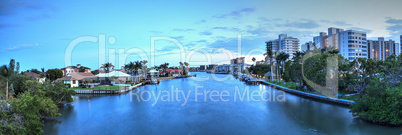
381,104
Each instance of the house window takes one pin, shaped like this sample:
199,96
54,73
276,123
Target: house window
73,81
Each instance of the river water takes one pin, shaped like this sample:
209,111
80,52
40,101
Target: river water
207,104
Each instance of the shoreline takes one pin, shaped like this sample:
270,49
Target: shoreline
127,89
315,97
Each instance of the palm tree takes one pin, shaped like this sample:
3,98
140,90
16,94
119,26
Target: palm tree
137,65
11,66
284,57
181,66
6,74
277,60
164,66
107,66
335,51
144,67
297,55
186,64
280,59
130,67
269,55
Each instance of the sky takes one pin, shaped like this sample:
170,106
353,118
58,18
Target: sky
55,34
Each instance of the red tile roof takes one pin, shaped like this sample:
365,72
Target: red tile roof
77,76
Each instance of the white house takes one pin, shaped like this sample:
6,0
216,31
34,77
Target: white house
76,79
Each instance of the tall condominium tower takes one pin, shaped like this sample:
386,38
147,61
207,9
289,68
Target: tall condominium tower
307,46
285,44
381,49
321,41
352,44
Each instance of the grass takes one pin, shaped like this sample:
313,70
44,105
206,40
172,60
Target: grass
351,97
289,85
97,88
293,86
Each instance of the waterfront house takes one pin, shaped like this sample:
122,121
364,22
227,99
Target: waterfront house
115,76
230,68
153,73
77,79
75,69
36,76
177,72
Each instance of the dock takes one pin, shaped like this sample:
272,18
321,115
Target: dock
110,91
128,88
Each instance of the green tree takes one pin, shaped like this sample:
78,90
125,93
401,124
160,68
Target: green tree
34,87
95,72
107,67
58,92
17,68
164,66
11,66
129,67
54,74
381,104
186,64
81,69
363,72
34,71
269,55
5,72
280,59
137,65
314,69
391,70
181,66
259,69
34,108
144,68
18,83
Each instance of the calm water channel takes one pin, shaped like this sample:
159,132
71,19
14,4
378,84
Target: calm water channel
234,113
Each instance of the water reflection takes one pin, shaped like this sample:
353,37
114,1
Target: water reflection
118,115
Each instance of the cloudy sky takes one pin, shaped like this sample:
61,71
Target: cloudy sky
201,32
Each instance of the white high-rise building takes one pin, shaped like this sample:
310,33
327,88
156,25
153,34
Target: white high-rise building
397,49
273,45
289,45
321,41
307,46
400,45
285,44
352,44
333,37
381,49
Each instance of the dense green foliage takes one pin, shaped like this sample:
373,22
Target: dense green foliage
53,74
28,110
18,83
381,104
259,69
377,83
30,102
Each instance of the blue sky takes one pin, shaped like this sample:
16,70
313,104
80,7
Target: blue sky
36,34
